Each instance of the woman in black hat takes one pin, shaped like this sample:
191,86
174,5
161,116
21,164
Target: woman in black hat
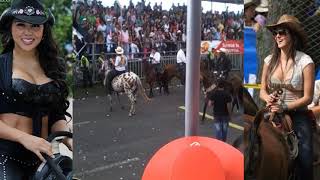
32,90
291,70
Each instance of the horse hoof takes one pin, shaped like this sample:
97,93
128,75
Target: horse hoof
130,115
110,109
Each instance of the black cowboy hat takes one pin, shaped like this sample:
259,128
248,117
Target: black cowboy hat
30,11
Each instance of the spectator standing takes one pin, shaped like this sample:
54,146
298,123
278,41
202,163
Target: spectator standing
86,77
221,102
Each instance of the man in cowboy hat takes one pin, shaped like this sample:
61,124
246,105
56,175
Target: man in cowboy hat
222,63
261,17
119,68
155,59
249,12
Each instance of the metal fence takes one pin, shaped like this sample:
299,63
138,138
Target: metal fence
135,63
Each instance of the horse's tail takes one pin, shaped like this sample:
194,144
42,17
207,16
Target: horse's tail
140,89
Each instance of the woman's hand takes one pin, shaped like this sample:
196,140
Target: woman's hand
36,145
271,100
276,108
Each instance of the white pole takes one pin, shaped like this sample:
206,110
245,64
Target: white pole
193,67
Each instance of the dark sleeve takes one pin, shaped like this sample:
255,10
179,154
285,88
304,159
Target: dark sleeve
228,98
58,114
59,110
211,95
4,102
5,98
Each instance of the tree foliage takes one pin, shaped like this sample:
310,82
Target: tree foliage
62,30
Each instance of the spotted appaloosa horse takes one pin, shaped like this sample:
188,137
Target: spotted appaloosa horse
129,83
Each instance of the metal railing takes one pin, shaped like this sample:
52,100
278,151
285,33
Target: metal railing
135,63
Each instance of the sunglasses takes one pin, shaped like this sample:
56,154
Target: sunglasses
281,32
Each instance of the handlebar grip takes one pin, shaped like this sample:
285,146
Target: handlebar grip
59,133
54,167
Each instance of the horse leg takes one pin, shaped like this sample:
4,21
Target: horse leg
204,110
150,92
132,101
118,97
110,101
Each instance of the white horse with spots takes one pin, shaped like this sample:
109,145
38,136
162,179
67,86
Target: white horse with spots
130,84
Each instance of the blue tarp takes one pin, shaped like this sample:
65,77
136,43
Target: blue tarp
250,53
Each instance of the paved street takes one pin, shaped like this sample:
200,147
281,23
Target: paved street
113,146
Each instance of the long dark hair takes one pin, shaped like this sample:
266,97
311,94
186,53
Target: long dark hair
48,51
295,44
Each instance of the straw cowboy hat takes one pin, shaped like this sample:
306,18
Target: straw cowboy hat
248,3
119,50
30,11
263,7
293,24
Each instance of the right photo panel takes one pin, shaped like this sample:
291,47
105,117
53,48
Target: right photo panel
281,99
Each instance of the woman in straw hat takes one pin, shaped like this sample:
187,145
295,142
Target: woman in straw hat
293,71
119,68
32,90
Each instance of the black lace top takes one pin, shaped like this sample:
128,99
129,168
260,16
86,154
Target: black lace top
27,99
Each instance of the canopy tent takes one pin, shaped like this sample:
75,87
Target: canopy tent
227,1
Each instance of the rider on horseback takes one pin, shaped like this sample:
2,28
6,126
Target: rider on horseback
291,70
119,68
222,64
155,61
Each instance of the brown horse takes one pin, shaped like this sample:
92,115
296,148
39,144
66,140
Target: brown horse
170,71
151,76
265,148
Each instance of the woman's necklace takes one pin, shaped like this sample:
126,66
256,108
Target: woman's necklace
283,72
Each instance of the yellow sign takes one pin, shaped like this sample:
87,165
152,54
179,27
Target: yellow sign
254,86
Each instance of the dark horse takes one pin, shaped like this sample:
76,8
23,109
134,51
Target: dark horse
233,85
151,76
170,71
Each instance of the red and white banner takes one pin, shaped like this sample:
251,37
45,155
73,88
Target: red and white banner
231,46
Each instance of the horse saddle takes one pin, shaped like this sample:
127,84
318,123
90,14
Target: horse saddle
283,123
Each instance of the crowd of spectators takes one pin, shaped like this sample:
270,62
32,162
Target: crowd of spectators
139,27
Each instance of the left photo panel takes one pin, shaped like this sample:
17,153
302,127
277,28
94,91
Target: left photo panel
36,90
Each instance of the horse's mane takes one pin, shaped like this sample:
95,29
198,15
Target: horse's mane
250,107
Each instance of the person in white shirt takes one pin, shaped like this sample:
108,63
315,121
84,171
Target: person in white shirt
134,49
155,59
119,68
181,64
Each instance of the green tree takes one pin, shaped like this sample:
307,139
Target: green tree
62,29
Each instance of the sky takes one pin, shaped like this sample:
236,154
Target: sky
166,4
